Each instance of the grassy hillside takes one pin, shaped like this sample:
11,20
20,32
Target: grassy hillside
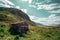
34,33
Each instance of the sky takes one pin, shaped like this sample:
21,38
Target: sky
46,12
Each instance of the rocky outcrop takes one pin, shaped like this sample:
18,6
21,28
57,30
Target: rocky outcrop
18,28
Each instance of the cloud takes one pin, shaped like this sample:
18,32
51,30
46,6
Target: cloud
38,4
47,6
38,20
52,16
32,6
2,5
7,6
18,7
24,10
29,1
51,20
9,2
6,3
33,17
55,11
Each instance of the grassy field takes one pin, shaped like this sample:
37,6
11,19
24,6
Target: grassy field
34,33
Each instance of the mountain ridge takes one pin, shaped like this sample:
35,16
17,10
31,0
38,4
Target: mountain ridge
16,12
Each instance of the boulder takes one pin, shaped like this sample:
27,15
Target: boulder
18,28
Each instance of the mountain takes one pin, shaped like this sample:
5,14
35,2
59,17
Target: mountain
15,12
16,25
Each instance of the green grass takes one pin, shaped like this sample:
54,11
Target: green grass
34,33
